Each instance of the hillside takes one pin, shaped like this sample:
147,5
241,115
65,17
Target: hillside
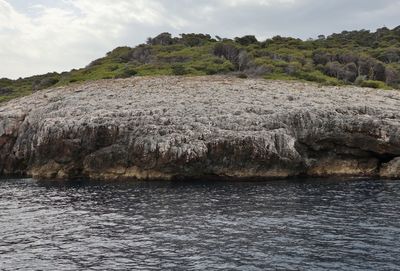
363,58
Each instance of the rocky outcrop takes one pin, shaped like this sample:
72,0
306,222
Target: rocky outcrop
391,170
177,127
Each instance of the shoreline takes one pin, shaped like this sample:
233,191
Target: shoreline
185,127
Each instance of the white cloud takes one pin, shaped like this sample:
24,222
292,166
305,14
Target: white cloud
40,36
62,38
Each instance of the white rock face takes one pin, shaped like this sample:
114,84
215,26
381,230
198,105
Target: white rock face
170,127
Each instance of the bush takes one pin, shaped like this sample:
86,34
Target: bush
344,58
292,68
228,51
44,83
390,55
162,39
96,62
209,66
261,70
246,40
5,90
243,60
112,68
193,39
126,73
179,70
319,77
141,54
392,76
373,84
360,79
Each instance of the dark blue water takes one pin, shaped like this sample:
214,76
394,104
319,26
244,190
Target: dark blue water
308,225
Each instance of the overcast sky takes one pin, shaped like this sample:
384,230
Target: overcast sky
39,36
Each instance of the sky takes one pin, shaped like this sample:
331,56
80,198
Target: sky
40,36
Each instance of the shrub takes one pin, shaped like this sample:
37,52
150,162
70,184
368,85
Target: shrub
350,72
319,77
44,83
228,51
243,60
392,76
373,84
5,90
179,70
96,62
379,71
360,79
292,68
162,39
261,70
390,55
246,40
348,57
179,55
113,68
126,73
321,57
141,54
193,39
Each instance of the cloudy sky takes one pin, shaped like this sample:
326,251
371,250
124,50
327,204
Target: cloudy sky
39,36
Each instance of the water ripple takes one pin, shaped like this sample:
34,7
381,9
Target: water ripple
308,225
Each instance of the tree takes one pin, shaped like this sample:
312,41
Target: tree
162,39
193,39
228,51
246,40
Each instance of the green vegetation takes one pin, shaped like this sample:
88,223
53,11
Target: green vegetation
363,58
373,84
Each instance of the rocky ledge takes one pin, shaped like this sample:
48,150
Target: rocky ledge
179,127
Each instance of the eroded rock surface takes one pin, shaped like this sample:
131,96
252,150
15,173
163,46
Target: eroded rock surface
167,127
391,170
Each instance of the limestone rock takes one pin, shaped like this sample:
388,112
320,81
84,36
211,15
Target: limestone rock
391,170
181,127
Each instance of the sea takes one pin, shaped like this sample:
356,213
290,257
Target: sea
307,224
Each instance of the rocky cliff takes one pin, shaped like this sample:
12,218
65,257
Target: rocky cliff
176,127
